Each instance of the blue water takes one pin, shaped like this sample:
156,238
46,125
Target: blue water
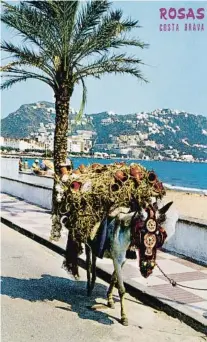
178,174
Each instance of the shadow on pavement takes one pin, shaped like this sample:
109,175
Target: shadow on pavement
67,291
17,209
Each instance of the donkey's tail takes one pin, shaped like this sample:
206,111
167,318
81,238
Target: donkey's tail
73,250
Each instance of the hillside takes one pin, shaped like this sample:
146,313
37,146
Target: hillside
27,119
164,130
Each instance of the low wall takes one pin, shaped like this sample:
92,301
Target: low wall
10,169
36,194
190,238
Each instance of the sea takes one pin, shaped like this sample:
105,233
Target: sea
178,175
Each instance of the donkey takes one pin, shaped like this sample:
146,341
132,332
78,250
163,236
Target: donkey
128,231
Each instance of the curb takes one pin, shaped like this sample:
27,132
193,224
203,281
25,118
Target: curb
142,293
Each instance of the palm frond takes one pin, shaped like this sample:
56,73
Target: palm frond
120,42
48,8
25,55
83,101
115,69
66,23
16,79
62,16
110,33
54,9
115,64
66,39
15,73
11,65
89,16
32,26
9,83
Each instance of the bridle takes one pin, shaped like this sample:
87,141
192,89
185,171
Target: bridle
147,235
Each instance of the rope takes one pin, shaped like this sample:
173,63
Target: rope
174,283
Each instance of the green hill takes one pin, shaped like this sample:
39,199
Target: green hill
165,128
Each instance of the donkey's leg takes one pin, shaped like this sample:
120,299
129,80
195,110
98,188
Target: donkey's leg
121,288
88,268
111,288
93,271
110,291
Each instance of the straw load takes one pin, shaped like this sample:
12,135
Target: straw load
87,195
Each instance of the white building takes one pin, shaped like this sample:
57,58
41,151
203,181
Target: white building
150,143
136,152
125,151
79,144
21,144
143,136
106,121
86,134
123,138
187,157
132,142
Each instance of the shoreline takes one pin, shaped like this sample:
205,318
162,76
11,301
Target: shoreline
111,158
169,186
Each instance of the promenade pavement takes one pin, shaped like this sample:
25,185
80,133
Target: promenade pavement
186,301
41,303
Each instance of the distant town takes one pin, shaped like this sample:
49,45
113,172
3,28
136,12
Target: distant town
108,135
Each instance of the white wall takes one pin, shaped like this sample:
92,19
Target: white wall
31,193
10,169
190,239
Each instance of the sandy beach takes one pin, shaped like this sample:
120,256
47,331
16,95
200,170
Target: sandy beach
188,204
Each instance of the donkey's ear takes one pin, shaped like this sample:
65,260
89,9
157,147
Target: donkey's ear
164,209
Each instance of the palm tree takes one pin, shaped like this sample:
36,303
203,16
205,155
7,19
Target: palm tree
63,43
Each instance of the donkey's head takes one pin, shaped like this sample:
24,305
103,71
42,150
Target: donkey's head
148,235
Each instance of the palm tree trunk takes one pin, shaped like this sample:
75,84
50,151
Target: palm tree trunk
62,99
61,130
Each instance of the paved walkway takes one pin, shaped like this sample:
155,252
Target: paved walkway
38,221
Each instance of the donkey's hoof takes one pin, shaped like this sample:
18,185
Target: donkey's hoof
124,321
111,305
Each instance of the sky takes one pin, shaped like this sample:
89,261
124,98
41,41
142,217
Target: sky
175,66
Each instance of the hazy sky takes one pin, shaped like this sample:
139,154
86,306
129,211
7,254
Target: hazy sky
175,66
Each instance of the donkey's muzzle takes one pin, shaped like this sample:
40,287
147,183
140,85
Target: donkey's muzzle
146,268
